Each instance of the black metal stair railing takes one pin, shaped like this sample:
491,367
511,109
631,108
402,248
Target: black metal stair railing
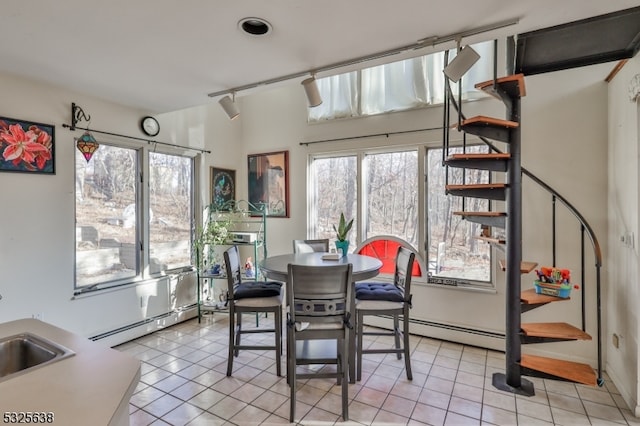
585,227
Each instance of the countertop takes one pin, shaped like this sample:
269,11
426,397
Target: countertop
92,387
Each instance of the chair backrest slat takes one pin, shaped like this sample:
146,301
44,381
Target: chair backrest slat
319,291
402,277
311,246
232,266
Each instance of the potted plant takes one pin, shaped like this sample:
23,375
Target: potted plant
214,233
341,234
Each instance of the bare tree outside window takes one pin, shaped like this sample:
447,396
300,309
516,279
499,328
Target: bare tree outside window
106,215
392,195
334,191
170,194
110,238
454,251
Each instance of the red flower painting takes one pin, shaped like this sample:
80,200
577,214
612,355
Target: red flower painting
26,146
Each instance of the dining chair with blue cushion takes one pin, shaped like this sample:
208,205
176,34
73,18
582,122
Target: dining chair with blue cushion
385,298
251,297
319,300
310,246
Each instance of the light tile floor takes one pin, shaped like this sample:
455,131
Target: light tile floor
183,382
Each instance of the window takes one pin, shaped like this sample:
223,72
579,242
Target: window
111,207
333,191
388,189
390,194
397,86
454,251
170,211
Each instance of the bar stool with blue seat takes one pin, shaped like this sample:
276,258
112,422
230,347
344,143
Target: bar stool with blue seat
319,299
251,297
383,298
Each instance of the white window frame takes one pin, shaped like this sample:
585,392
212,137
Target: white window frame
421,249
360,154
142,220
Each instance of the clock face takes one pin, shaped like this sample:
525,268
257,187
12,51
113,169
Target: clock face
150,126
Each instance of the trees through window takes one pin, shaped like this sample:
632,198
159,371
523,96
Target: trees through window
388,191
113,206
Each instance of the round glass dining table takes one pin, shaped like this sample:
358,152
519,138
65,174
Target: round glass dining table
363,268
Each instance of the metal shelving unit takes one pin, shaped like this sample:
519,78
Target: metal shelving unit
236,222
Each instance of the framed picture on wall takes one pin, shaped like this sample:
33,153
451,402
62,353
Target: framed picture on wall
223,187
269,182
26,146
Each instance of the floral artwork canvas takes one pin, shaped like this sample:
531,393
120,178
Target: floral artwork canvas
26,146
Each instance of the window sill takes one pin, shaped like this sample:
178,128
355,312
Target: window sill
99,289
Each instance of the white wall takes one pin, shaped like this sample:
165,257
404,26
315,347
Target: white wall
37,222
623,203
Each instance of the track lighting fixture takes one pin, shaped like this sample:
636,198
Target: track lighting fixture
313,95
229,106
311,89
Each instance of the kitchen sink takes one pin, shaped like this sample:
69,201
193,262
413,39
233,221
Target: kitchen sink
24,352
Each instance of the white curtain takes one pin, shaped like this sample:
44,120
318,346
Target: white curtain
394,87
407,84
339,97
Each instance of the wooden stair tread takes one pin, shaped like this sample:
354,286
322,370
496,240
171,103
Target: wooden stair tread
558,330
486,214
568,370
530,297
478,186
525,267
482,119
514,78
496,156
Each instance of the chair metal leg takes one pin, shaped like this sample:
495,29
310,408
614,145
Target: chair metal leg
291,374
396,332
278,331
358,347
345,378
232,329
238,331
407,348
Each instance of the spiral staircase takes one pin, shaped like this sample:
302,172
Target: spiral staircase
510,90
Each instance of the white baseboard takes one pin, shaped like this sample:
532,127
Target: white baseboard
142,328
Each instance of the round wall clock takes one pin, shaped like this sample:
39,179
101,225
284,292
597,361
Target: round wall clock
150,126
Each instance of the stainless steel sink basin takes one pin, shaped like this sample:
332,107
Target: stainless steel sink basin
24,352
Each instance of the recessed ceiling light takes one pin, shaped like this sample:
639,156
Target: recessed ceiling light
255,26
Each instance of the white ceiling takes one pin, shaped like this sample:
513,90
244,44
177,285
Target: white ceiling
165,55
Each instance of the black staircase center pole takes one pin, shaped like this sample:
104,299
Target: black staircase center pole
514,253
512,381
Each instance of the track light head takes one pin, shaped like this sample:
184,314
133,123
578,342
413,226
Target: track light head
462,63
229,107
311,89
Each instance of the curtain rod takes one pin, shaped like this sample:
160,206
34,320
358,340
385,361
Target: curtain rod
149,141
428,41
372,135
